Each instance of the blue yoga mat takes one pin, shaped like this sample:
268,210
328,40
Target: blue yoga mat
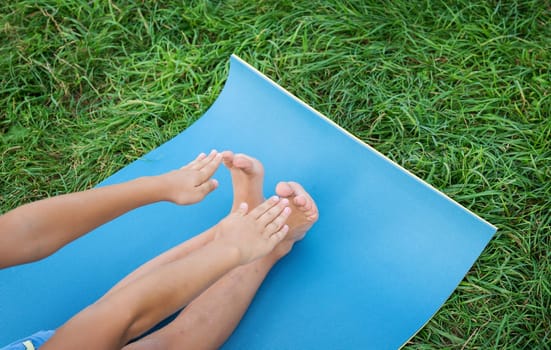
386,253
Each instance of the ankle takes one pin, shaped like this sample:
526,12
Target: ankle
282,249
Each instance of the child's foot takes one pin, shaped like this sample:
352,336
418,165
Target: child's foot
247,176
304,213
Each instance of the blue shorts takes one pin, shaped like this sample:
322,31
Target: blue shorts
32,342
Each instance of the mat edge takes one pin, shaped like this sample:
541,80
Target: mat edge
353,137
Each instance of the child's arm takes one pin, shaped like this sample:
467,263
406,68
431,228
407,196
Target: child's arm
36,230
138,306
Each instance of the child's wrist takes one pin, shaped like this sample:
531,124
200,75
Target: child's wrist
155,188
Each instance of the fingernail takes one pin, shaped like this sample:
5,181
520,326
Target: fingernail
213,151
284,201
287,210
274,198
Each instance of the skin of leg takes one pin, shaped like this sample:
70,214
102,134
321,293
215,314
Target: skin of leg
167,257
210,319
241,238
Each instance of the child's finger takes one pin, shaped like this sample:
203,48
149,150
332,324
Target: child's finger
242,210
207,187
193,162
278,222
210,168
262,208
279,236
198,164
272,213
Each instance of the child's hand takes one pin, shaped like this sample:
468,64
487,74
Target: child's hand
191,183
257,233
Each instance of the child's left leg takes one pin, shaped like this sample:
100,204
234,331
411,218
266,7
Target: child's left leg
210,319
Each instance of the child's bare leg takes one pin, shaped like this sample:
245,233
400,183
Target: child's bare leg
167,257
240,238
210,319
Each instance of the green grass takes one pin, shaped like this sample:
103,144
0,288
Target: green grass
456,91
